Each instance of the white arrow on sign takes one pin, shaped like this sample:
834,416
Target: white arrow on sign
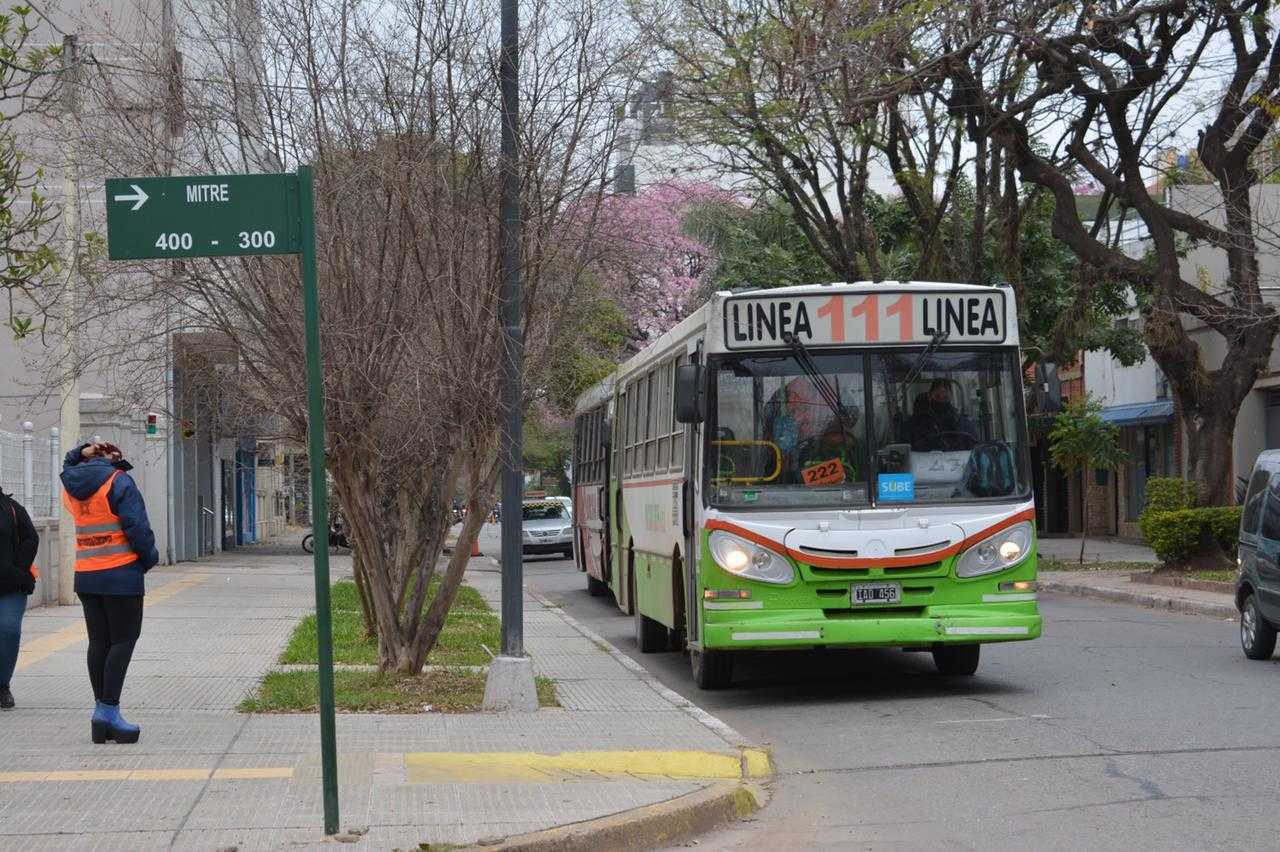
138,196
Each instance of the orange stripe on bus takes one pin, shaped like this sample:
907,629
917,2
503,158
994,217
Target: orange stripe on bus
872,562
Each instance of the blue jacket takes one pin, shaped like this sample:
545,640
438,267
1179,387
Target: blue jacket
81,477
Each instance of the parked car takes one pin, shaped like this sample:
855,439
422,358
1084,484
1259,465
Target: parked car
547,527
1258,580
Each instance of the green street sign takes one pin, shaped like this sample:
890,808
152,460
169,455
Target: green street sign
202,216
216,215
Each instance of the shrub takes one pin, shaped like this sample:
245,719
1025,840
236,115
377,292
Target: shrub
1169,494
1176,536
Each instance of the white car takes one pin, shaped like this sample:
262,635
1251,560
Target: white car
547,527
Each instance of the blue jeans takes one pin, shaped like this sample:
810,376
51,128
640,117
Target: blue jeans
12,606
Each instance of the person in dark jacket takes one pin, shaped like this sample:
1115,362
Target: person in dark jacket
115,547
18,544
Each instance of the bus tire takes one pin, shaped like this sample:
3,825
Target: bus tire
596,588
651,636
957,660
711,669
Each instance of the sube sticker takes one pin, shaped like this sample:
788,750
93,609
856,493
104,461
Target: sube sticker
895,486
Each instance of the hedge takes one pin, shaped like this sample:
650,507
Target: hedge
1169,494
1175,535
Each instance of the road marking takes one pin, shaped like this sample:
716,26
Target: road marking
999,719
476,767
46,646
196,774
456,767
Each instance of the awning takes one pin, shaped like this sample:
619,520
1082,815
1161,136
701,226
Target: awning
1139,413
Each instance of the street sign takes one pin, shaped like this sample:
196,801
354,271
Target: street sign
219,215
202,216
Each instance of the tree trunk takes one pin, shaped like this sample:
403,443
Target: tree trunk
366,608
1084,510
1208,452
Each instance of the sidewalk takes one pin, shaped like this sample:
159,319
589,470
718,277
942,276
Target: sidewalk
1116,586
206,777
1095,550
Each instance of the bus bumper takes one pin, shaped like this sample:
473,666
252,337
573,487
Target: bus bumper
954,624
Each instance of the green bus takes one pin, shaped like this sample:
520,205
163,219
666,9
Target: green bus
842,465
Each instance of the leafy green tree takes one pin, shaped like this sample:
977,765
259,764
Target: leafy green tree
547,443
27,217
1079,440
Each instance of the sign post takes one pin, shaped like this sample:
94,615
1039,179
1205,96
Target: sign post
232,215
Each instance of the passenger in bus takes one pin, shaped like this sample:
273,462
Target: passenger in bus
937,425
837,443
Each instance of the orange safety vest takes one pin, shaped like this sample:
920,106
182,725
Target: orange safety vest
100,540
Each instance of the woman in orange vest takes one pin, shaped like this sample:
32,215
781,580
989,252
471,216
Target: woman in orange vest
18,544
115,547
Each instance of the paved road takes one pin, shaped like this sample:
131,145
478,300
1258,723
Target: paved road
1121,728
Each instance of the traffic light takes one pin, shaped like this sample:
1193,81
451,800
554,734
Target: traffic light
151,423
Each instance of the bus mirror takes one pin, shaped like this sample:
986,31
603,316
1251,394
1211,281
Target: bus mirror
689,400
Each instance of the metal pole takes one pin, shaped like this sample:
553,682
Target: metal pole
28,466
319,498
512,354
55,466
70,415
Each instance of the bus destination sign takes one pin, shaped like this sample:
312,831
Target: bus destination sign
880,318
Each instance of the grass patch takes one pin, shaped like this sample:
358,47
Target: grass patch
442,691
1047,564
468,629
1223,576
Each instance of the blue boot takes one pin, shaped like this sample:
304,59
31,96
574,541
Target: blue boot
108,724
100,723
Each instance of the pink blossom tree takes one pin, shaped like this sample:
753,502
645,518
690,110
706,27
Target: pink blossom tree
646,258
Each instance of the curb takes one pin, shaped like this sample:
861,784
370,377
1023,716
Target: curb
643,828
757,762
1149,579
1152,601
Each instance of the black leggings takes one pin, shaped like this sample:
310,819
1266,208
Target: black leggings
114,623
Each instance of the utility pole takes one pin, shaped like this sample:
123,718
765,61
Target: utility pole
510,683
69,427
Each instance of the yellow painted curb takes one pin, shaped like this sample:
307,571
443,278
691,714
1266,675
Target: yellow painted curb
756,763
457,767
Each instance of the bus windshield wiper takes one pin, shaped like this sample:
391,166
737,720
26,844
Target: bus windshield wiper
819,380
938,339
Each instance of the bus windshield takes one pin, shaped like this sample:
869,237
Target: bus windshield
936,429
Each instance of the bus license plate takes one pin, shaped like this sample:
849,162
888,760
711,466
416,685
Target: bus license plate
875,593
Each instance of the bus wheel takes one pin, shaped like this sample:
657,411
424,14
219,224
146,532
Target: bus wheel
711,669
650,635
957,660
595,587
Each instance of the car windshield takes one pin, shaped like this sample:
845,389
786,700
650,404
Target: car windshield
544,512
946,428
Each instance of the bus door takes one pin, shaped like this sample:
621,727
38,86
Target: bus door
602,497
689,515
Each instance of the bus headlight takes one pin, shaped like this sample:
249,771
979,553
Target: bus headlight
750,561
1002,550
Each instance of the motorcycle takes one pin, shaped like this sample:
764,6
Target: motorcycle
337,537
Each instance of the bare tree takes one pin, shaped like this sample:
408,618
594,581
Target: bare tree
1114,85
396,105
